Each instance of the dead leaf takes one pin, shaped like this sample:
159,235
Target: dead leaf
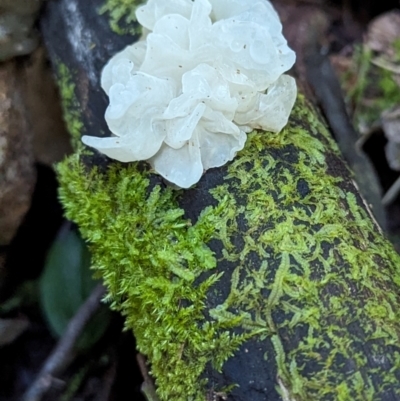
383,37
383,31
10,329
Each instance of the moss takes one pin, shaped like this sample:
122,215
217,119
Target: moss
396,48
324,252
370,89
390,91
70,105
156,256
286,232
122,16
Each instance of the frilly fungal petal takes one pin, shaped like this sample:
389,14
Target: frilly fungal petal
205,73
182,166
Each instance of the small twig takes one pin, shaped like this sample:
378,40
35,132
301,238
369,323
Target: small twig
108,379
392,193
141,360
61,355
148,388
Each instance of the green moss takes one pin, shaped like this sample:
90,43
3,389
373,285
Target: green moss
156,256
70,105
390,91
122,16
307,228
396,48
302,258
370,89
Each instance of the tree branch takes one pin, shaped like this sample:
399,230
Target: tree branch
60,358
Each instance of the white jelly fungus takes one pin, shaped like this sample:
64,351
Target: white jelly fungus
204,73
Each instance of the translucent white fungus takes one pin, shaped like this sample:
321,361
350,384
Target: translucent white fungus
205,73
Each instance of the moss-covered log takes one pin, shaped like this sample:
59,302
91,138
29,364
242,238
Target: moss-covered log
266,281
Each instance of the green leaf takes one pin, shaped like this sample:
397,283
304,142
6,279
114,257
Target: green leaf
66,283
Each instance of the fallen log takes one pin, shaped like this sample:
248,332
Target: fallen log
268,280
